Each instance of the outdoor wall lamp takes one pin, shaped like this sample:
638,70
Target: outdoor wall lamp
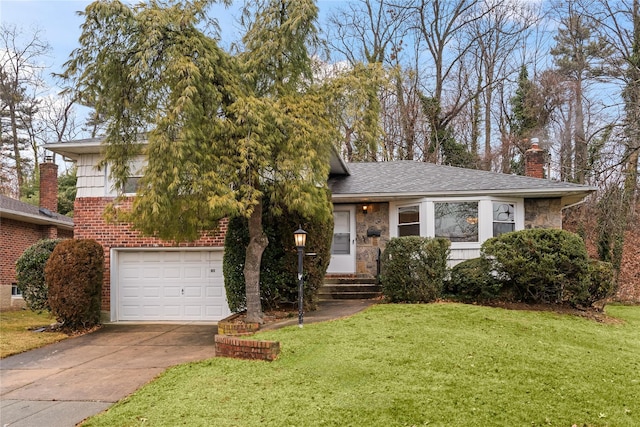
300,237
365,209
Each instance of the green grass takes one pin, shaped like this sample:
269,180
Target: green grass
412,365
15,336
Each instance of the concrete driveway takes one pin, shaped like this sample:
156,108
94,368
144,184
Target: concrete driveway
63,383
66,382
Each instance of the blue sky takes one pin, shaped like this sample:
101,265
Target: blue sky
60,24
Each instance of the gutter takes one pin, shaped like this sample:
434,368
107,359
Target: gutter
35,219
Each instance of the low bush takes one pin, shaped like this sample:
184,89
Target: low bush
30,274
279,266
472,281
602,283
414,268
74,274
540,265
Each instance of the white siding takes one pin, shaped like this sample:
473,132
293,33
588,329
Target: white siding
96,183
91,181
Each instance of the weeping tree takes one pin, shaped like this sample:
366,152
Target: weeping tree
221,130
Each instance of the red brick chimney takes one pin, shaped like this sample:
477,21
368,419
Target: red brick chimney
535,160
49,185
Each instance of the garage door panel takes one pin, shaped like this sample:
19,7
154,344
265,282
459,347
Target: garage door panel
193,292
150,273
196,272
151,292
171,272
215,292
171,285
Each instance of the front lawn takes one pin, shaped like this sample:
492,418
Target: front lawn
15,333
413,365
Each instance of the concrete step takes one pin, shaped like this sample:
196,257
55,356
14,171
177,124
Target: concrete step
355,287
349,295
350,280
349,288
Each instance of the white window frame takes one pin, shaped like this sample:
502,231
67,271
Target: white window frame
137,168
485,216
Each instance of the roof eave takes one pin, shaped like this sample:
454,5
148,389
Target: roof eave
74,149
35,219
568,196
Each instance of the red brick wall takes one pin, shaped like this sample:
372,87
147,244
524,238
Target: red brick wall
227,346
49,186
534,161
90,224
15,237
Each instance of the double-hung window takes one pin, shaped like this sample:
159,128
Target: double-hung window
504,218
409,221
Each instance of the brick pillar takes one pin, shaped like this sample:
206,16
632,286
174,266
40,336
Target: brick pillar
49,185
535,160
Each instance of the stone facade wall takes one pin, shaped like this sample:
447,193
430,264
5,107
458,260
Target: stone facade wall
542,213
372,234
90,224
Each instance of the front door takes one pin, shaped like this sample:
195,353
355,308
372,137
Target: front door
343,246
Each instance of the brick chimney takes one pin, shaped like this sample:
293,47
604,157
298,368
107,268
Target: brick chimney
49,184
535,160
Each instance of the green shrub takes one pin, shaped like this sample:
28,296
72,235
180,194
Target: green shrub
602,283
414,268
540,265
472,281
74,274
279,266
30,274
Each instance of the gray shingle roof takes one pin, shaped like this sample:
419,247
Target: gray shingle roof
12,208
412,178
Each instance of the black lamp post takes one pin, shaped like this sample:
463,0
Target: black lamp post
300,237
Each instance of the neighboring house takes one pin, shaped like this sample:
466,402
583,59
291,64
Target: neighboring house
150,279
22,225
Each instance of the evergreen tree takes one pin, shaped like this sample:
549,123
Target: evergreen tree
579,57
221,130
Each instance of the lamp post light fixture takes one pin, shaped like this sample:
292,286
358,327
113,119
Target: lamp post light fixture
300,237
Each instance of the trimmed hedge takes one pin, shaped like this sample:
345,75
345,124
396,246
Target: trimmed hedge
30,274
540,265
279,266
471,281
74,274
414,268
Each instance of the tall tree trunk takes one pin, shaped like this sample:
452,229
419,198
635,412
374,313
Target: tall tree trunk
633,115
16,147
580,139
406,122
487,127
566,149
257,243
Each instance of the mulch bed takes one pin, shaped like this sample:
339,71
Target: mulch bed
587,313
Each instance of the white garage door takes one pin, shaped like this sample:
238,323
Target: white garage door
171,285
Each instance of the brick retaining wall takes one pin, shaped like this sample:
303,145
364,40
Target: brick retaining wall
227,346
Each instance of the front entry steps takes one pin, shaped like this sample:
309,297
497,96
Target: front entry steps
349,288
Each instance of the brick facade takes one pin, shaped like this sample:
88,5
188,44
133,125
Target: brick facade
227,346
15,237
535,160
49,186
90,224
